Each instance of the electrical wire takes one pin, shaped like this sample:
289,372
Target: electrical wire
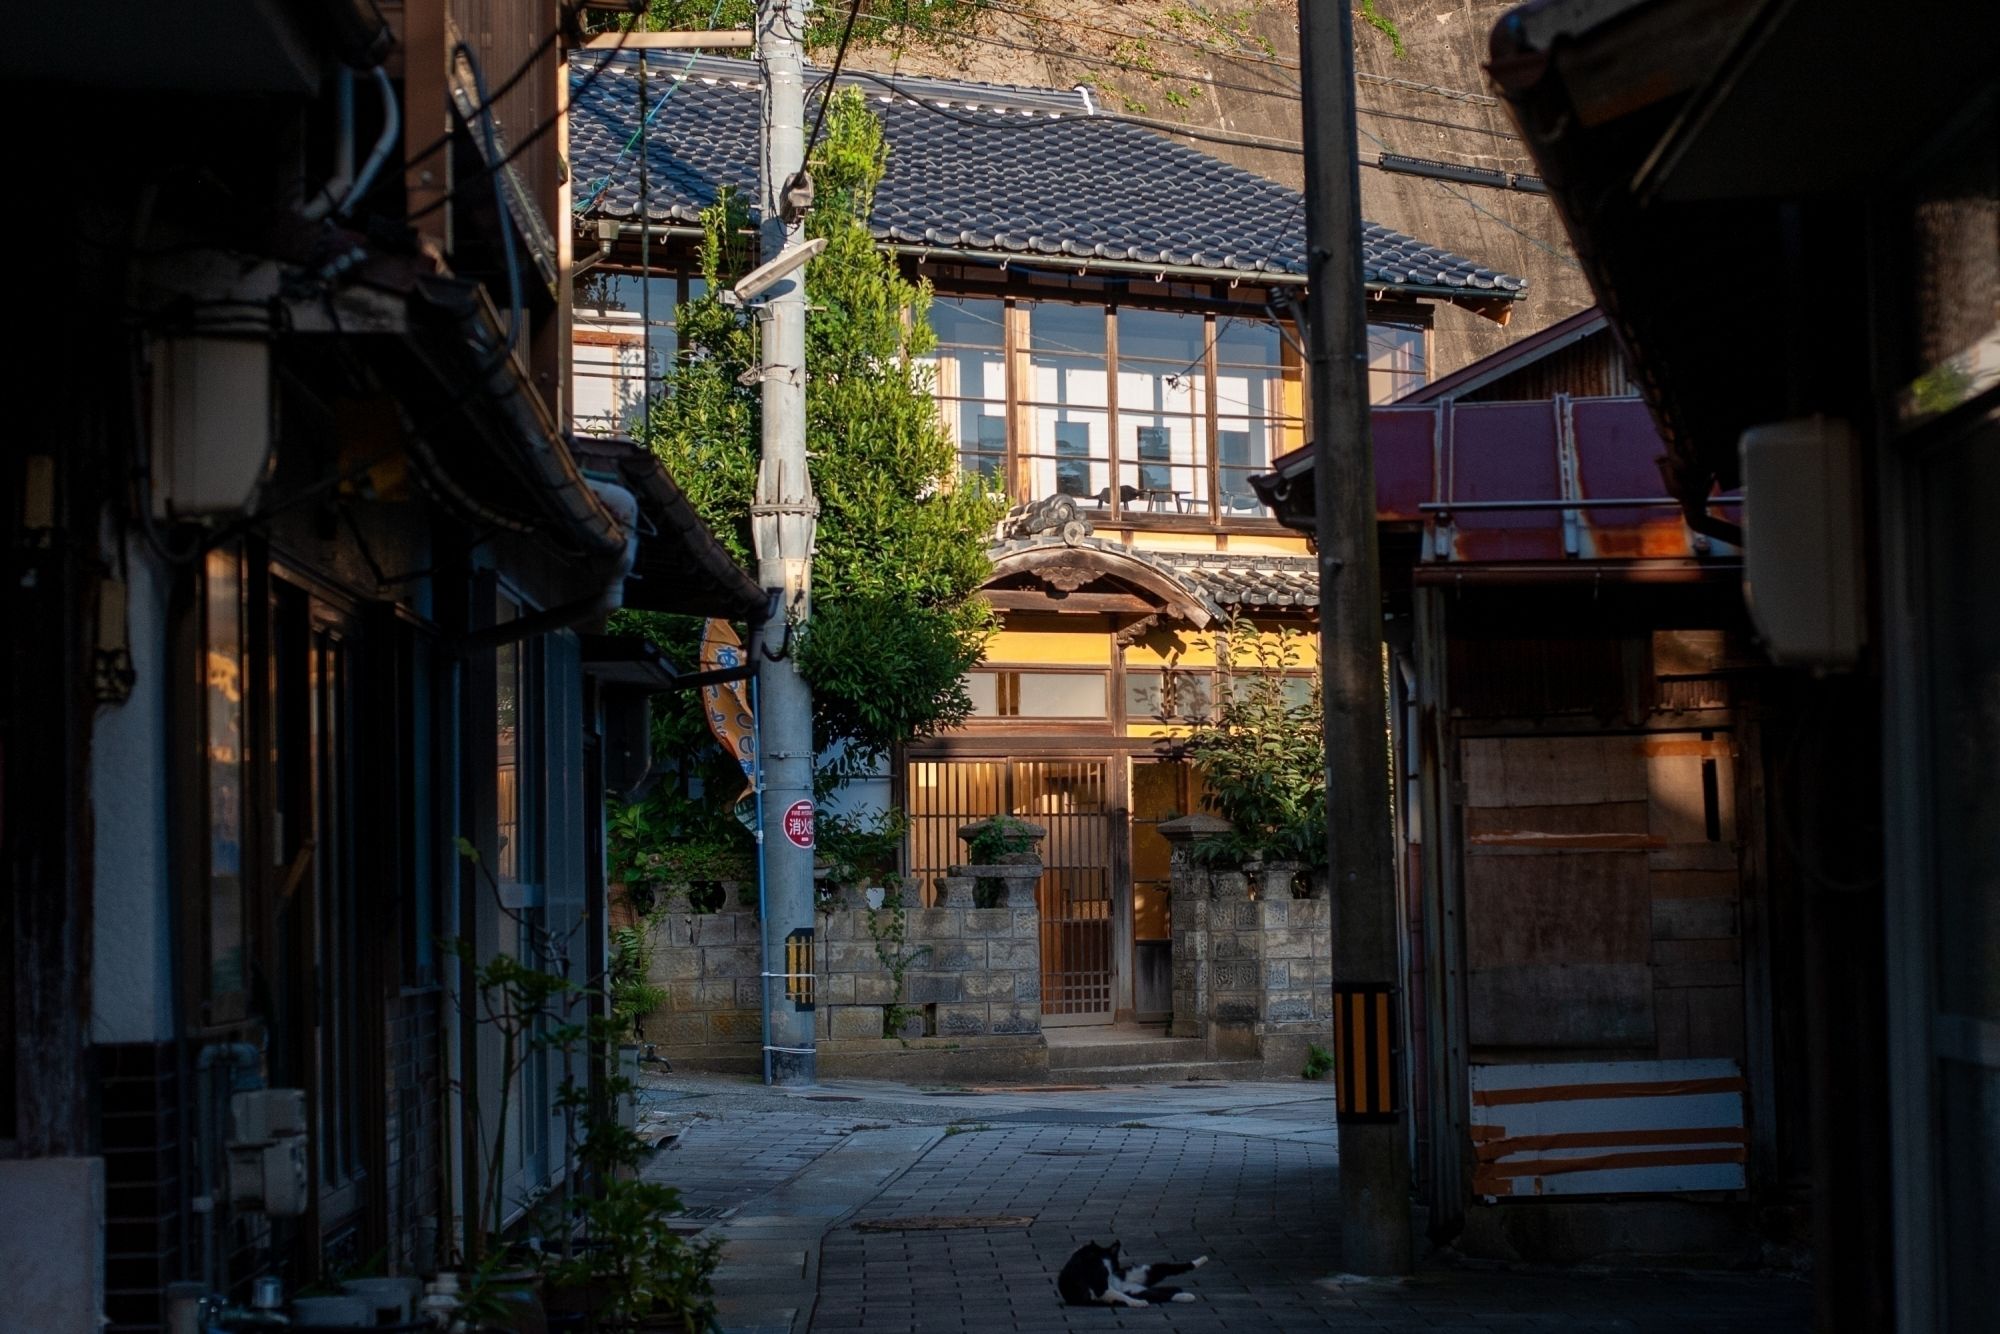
1476,207
1290,94
827,84
569,12
528,140
500,206
646,117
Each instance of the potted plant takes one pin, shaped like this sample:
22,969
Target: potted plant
615,1257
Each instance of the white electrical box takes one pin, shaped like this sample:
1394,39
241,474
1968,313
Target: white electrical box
267,1152
211,425
1802,567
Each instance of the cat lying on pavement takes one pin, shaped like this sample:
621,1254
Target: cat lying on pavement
1100,1276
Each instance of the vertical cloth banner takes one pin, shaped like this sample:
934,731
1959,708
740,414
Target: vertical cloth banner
727,705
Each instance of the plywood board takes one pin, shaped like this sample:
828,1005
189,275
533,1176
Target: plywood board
1553,771
1608,1127
1694,919
1569,907
1560,1005
1675,779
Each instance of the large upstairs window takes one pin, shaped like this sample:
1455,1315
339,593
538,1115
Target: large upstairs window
1135,412
623,343
971,370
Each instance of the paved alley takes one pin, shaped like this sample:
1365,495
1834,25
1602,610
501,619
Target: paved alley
867,1206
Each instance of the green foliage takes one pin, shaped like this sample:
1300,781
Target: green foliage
1262,756
889,928
1381,23
1318,1062
652,845
902,24
642,1268
1940,389
997,840
857,851
633,994
901,545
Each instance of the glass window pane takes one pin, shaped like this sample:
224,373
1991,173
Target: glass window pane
1163,465
1245,342
623,333
1167,696
1011,694
1242,447
970,373
1061,695
983,689
1395,361
507,722
224,671
1070,450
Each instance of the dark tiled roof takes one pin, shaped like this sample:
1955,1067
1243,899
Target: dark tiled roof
979,167
1249,582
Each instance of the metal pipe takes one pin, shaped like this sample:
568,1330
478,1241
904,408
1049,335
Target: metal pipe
337,185
385,143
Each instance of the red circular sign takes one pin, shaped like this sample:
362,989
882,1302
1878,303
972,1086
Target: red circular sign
799,823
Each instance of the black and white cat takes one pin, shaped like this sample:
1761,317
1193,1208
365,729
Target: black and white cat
1100,1276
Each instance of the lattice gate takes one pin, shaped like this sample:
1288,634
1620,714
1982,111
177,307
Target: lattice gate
1072,798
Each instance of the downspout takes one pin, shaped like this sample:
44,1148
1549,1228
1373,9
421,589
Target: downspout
385,143
623,506
338,185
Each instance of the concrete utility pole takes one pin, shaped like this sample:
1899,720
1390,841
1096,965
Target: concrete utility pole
782,523
1374,1162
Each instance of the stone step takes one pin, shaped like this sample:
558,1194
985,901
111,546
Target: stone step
1137,1051
1162,1072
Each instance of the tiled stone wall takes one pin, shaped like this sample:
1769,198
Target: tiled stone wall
973,973
1253,965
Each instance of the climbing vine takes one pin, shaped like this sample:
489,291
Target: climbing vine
889,928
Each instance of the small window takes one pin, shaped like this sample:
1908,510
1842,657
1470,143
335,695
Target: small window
1168,697
1011,694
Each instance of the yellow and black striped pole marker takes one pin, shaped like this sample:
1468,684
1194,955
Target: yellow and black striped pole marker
1365,1053
799,968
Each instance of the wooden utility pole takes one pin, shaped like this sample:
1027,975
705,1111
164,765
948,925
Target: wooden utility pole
1374,1123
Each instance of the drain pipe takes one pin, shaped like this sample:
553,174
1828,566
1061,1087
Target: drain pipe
623,507
385,143
337,185
344,189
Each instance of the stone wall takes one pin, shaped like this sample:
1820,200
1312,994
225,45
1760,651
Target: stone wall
1253,962
971,986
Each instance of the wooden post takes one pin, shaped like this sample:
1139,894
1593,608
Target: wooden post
1374,1131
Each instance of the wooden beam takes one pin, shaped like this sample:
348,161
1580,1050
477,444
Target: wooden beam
732,40
1028,599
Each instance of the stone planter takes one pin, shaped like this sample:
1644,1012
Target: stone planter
1016,880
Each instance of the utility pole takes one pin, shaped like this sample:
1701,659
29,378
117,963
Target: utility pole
1374,1123
782,522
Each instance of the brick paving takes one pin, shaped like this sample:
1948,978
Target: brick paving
1255,1192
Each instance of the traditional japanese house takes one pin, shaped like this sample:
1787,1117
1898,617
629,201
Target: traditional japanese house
1115,349
301,575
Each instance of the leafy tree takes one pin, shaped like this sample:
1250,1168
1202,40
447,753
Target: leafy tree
916,23
1262,753
901,548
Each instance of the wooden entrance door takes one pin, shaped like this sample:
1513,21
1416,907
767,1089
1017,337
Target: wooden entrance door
1161,790
1072,799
